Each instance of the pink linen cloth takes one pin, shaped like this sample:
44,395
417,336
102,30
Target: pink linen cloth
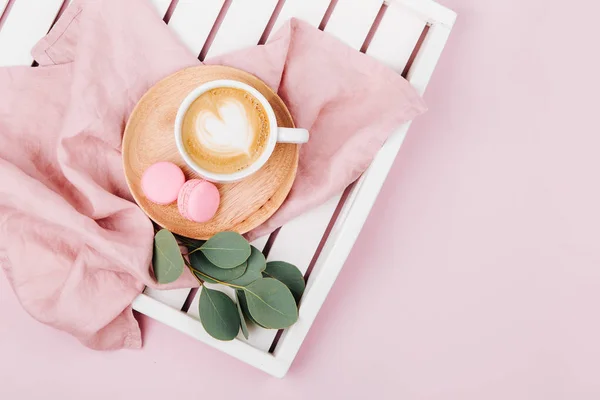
75,247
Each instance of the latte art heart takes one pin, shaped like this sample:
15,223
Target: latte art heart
225,130
227,133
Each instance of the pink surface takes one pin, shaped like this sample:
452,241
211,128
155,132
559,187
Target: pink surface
476,276
65,206
198,200
162,181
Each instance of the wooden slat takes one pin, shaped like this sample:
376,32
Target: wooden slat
425,62
243,25
430,11
298,240
3,4
193,20
27,22
161,6
174,298
351,20
398,22
311,11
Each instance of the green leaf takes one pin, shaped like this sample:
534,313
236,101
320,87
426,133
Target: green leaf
200,263
241,297
287,274
226,249
166,259
218,314
256,264
242,319
271,303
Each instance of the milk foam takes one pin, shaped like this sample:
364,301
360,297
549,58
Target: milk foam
229,132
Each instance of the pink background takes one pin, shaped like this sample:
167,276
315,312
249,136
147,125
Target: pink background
477,275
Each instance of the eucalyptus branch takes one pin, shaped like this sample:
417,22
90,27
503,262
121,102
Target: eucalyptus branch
266,293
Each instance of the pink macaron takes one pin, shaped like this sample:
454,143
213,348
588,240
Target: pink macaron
198,200
161,182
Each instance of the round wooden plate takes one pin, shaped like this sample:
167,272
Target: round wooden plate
149,138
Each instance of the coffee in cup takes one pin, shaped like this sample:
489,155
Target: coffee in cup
226,130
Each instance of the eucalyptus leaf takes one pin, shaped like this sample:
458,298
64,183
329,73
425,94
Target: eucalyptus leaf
287,274
242,319
166,260
271,303
226,249
218,314
241,297
200,263
256,264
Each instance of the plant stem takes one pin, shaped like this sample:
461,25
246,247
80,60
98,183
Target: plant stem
200,281
192,270
195,272
193,251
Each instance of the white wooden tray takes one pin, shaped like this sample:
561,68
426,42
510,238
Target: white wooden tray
407,35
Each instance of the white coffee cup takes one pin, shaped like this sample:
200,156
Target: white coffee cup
276,134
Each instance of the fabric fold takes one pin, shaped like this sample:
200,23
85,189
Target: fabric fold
75,247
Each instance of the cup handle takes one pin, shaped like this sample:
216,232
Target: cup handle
292,135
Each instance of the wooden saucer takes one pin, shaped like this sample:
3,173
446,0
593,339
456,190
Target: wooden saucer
149,138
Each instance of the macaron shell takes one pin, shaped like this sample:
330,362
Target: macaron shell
161,182
198,200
